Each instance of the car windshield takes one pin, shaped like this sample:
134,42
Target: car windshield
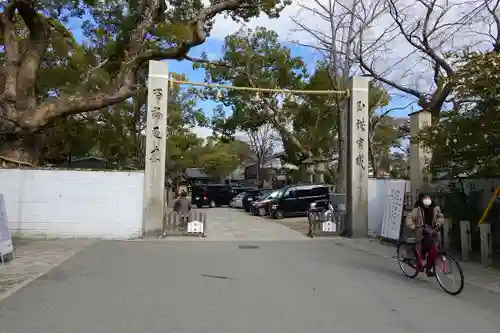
279,193
264,195
273,195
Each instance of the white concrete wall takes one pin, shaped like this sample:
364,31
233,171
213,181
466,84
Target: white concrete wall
68,204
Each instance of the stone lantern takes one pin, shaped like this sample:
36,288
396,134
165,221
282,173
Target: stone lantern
310,167
321,168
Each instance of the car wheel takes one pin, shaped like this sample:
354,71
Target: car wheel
279,214
262,211
199,205
247,210
212,204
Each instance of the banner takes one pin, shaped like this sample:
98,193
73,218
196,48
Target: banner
6,246
391,221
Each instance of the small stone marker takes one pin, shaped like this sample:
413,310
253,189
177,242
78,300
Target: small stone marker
329,226
195,227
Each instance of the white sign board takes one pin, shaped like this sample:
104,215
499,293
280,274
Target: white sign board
329,226
391,222
195,227
6,246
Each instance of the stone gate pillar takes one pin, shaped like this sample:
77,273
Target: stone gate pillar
357,158
419,156
156,149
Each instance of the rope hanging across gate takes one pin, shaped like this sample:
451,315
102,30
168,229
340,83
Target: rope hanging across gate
173,81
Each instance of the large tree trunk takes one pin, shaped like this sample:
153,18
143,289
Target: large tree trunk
19,98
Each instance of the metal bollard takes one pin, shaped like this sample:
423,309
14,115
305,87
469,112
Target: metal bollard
465,239
486,244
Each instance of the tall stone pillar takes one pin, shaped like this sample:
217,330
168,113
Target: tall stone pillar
156,149
419,156
357,158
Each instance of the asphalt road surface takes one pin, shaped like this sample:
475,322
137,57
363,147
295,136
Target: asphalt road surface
227,286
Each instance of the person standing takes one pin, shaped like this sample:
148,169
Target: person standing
182,207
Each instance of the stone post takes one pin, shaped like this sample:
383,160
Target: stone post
156,149
419,157
357,158
465,239
486,244
321,177
446,233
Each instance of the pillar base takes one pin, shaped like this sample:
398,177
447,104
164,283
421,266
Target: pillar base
151,233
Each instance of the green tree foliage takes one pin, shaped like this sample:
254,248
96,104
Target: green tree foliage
183,151
117,132
68,137
254,59
467,139
47,75
219,158
307,124
399,165
313,118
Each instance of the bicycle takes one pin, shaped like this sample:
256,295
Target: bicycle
443,263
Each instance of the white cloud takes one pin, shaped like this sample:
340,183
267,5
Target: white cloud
463,22
283,25
202,132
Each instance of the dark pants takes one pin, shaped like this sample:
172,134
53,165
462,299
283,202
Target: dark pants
183,220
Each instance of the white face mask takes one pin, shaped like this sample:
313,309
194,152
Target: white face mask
427,202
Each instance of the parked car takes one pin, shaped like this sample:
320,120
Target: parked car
237,189
335,200
237,201
262,205
211,195
252,196
295,200
320,205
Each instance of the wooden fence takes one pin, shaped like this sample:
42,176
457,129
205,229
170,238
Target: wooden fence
178,224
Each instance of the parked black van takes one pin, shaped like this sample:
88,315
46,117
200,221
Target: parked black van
253,195
211,195
295,200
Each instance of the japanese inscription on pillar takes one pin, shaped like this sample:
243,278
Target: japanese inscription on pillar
156,114
361,128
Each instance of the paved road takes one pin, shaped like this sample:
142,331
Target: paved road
226,224
226,286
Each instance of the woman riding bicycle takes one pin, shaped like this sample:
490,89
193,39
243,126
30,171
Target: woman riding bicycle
425,217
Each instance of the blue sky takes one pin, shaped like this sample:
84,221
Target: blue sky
213,48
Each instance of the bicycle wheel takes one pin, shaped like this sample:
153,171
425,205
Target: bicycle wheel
407,260
444,268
